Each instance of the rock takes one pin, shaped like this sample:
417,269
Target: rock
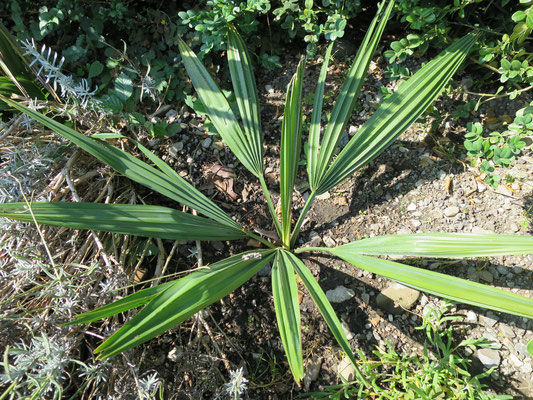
486,276
339,294
489,357
481,187
521,349
515,361
346,369
347,332
480,231
451,211
266,270
502,270
329,242
397,294
507,331
365,297
471,316
269,89
416,223
311,372
174,354
206,143
323,196
342,201
488,320
411,207
352,130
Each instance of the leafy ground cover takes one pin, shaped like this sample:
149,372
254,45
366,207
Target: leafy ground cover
352,218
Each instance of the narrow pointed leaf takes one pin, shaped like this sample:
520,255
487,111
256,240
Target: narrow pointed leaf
184,298
314,129
446,245
130,219
323,304
442,285
243,81
347,97
397,113
285,293
291,134
219,111
174,186
129,302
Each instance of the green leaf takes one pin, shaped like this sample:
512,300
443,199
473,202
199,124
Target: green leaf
438,284
530,348
323,304
314,130
243,81
291,134
396,114
123,86
167,183
184,298
220,112
285,293
347,97
129,302
95,69
130,219
446,245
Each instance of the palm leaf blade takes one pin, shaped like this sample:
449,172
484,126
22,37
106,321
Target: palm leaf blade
130,219
397,113
285,293
173,186
219,111
446,245
245,89
187,296
443,285
348,95
291,134
314,129
129,302
323,304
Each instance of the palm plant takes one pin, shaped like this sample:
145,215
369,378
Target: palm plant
171,303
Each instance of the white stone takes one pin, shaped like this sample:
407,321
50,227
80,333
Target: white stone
340,294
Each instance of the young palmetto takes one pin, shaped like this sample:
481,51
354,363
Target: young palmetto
171,303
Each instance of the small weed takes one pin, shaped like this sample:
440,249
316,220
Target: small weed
441,372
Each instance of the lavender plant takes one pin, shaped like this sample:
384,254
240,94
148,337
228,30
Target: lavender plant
171,303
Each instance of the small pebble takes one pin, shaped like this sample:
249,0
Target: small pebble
411,207
486,276
207,142
489,357
451,211
339,294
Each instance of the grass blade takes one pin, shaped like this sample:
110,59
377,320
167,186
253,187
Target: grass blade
442,285
172,186
219,111
446,245
291,135
245,89
285,293
130,219
187,296
347,97
397,113
129,302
